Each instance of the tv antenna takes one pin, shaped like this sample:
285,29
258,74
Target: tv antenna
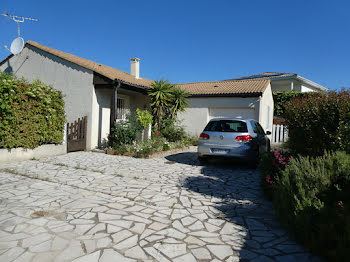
17,44
18,20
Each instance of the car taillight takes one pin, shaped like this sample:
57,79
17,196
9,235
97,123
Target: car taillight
204,136
245,138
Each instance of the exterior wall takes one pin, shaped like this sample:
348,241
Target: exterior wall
102,109
74,81
197,116
282,85
285,85
266,109
20,154
307,88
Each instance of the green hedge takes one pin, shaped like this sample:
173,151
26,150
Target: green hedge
31,114
282,98
319,122
311,196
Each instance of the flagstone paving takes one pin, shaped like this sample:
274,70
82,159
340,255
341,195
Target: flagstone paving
90,207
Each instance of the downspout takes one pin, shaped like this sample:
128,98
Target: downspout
116,85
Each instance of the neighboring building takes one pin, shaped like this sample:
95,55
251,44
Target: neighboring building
106,94
287,82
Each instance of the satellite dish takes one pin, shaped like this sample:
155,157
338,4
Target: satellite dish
17,45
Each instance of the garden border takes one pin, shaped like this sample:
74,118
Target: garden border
20,154
157,154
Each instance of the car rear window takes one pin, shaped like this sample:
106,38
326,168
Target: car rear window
226,126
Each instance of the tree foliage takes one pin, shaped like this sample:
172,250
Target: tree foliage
319,122
166,101
144,117
283,98
179,101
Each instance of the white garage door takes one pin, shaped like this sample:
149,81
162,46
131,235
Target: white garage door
231,112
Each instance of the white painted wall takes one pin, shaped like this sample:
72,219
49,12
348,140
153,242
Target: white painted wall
229,112
266,109
284,85
102,107
197,115
307,88
74,81
21,154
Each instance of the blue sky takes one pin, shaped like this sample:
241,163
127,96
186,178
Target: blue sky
188,41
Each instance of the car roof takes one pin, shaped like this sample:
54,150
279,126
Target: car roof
236,119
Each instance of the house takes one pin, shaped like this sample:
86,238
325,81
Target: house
105,94
287,82
89,88
248,98
245,97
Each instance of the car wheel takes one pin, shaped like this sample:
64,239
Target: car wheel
202,160
255,160
268,148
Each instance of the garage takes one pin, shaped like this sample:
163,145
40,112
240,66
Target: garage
231,112
250,99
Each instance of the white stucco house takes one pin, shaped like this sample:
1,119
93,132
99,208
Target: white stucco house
287,82
105,94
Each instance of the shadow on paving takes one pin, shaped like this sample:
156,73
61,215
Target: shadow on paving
236,186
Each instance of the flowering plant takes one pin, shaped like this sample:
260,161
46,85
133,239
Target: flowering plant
280,160
272,164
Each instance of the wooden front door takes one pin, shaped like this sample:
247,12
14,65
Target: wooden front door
76,135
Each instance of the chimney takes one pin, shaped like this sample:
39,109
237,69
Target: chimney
135,67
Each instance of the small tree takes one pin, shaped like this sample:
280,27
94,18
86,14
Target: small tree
161,97
166,100
180,101
144,117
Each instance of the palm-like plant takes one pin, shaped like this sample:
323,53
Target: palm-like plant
161,98
180,101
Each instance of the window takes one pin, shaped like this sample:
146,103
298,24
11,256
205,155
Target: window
261,130
257,129
227,126
121,108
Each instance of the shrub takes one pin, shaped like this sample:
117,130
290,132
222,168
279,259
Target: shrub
191,140
124,132
312,198
151,146
271,165
171,130
319,122
282,98
144,117
31,114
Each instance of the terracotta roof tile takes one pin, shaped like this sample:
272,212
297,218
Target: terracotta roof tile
104,70
233,87
226,87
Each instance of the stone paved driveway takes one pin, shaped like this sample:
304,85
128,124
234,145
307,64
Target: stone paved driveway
94,207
